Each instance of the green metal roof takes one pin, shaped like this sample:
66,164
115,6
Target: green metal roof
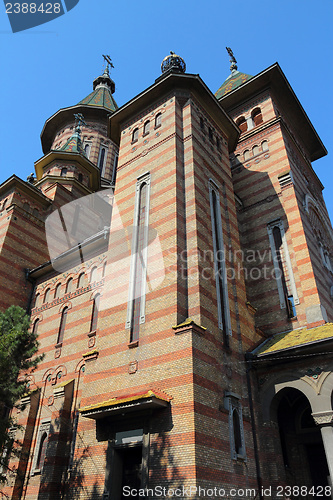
74,144
102,94
232,82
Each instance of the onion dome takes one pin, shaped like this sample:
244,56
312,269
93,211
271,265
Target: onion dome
234,80
173,63
101,96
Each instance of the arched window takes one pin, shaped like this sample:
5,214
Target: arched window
94,314
80,281
146,128
93,274
210,134
69,285
46,296
37,300
218,143
135,135
4,204
255,150
256,116
264,145
26,207
80,177
41,451
246,155
35,327
158,120
62,325
242,124
87,149
63,172
101,159
57,291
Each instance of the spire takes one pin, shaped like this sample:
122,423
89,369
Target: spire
103,87
233,66
234,80
74,143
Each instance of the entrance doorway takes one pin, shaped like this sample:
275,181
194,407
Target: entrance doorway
301,442
129,468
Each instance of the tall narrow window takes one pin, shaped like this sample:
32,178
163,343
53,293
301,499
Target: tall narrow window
264,145
137,290
69,285
219,266
135,135
35,327
37,297
257,116
114,171
236,429
41,447
146,128
94,314
93,274
282,268
158,120
63,172
101,160
57,291
47,296
80,281
62,325
242,124
87,149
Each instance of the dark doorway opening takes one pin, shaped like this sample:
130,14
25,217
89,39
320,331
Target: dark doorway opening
301,442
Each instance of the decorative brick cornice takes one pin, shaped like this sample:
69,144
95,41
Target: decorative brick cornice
187,325
89,356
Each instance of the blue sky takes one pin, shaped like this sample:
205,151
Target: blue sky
53,66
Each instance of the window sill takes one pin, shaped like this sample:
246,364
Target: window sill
133,142
133,344
58,346
157,126
144,135
92,333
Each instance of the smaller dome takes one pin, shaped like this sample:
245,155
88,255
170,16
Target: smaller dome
173,63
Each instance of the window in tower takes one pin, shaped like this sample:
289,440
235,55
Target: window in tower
69,285
202,124
242,124
63,172
80,281
255,150
94,314
87,149
218,143
256,116
102,159
114,170
246,155
41,447
219,265
135,135
146,128
158,120
80,177
62,325
35,327
46,296
210,134
264,145
236,428
283,271
138,272
93,274
57,291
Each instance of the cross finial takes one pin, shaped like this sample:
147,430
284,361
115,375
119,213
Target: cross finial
108,61
233,61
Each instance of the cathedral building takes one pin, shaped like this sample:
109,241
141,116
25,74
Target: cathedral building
175,255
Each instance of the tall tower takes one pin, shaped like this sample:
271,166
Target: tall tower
285,229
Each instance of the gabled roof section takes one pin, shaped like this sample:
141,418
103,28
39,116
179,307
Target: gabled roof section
232,82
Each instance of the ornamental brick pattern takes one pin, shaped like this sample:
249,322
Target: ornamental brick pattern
160,411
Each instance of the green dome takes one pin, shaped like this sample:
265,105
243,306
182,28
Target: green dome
102,94
236,79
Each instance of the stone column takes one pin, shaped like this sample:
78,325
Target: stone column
325,420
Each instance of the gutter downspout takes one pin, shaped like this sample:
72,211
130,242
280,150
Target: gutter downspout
249,366
32,292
